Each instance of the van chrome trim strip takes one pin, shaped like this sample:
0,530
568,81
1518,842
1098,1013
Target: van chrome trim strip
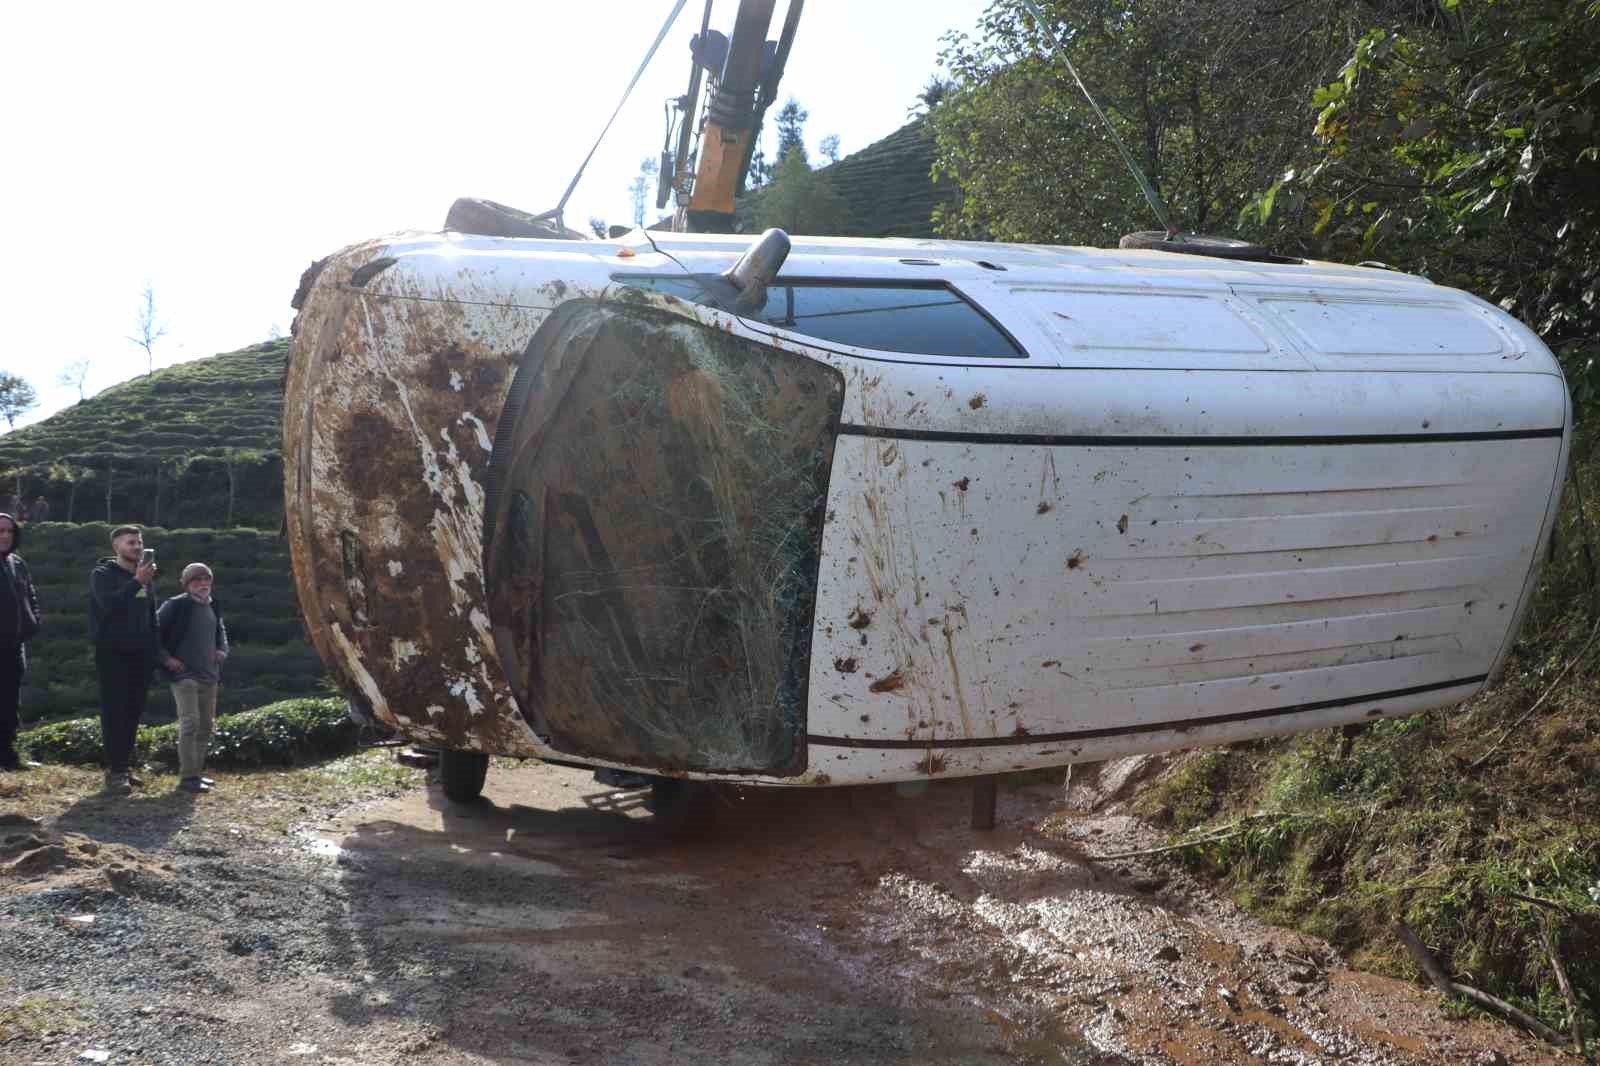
1183,724
852,429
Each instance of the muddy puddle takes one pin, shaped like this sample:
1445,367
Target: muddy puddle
848,925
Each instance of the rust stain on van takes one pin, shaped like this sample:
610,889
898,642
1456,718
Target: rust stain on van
955,676
893,681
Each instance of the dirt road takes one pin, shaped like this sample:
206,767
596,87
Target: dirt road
553,924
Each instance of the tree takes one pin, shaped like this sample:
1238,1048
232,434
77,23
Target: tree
148,329
801,200
932,94
164,466
639,188
234,460
65,471
758,173
16,397
1460,142
1209,96
75,373
597,226
830,147
791,131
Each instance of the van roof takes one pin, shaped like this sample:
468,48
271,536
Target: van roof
706,252
880,257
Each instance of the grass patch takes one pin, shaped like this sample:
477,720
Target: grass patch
278,800
34,1015
377,769
273,801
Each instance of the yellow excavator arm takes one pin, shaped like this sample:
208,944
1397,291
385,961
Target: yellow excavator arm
745,70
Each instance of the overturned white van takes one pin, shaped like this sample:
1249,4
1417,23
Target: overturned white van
917,508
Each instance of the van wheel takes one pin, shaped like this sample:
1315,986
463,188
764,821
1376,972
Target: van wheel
463,773
684,809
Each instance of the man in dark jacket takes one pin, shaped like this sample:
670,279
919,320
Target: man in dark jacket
19,620
194,643
122,626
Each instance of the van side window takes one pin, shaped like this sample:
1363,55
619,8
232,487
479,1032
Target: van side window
929,318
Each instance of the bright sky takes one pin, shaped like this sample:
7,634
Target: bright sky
212,151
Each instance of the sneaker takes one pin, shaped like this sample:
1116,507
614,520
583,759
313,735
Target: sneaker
193,784
118,783
208,782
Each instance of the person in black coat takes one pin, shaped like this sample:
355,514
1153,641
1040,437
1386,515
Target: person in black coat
122,626
19,620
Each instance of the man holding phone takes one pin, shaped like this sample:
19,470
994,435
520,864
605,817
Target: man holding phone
122,626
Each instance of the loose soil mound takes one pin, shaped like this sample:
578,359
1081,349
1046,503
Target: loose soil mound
33,860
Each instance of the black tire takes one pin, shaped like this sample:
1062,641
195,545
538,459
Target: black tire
684,810
463,774
1199,244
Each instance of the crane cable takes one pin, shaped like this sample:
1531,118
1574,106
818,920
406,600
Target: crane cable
556,212
1149,190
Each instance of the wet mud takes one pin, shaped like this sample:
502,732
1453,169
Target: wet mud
850,925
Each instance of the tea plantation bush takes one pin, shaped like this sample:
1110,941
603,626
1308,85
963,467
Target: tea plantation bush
280,734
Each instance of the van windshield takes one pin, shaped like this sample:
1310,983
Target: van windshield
918,318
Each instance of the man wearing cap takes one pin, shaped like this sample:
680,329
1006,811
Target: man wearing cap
194,643
122,627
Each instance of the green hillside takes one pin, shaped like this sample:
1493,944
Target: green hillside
194,445
271,659
887,187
